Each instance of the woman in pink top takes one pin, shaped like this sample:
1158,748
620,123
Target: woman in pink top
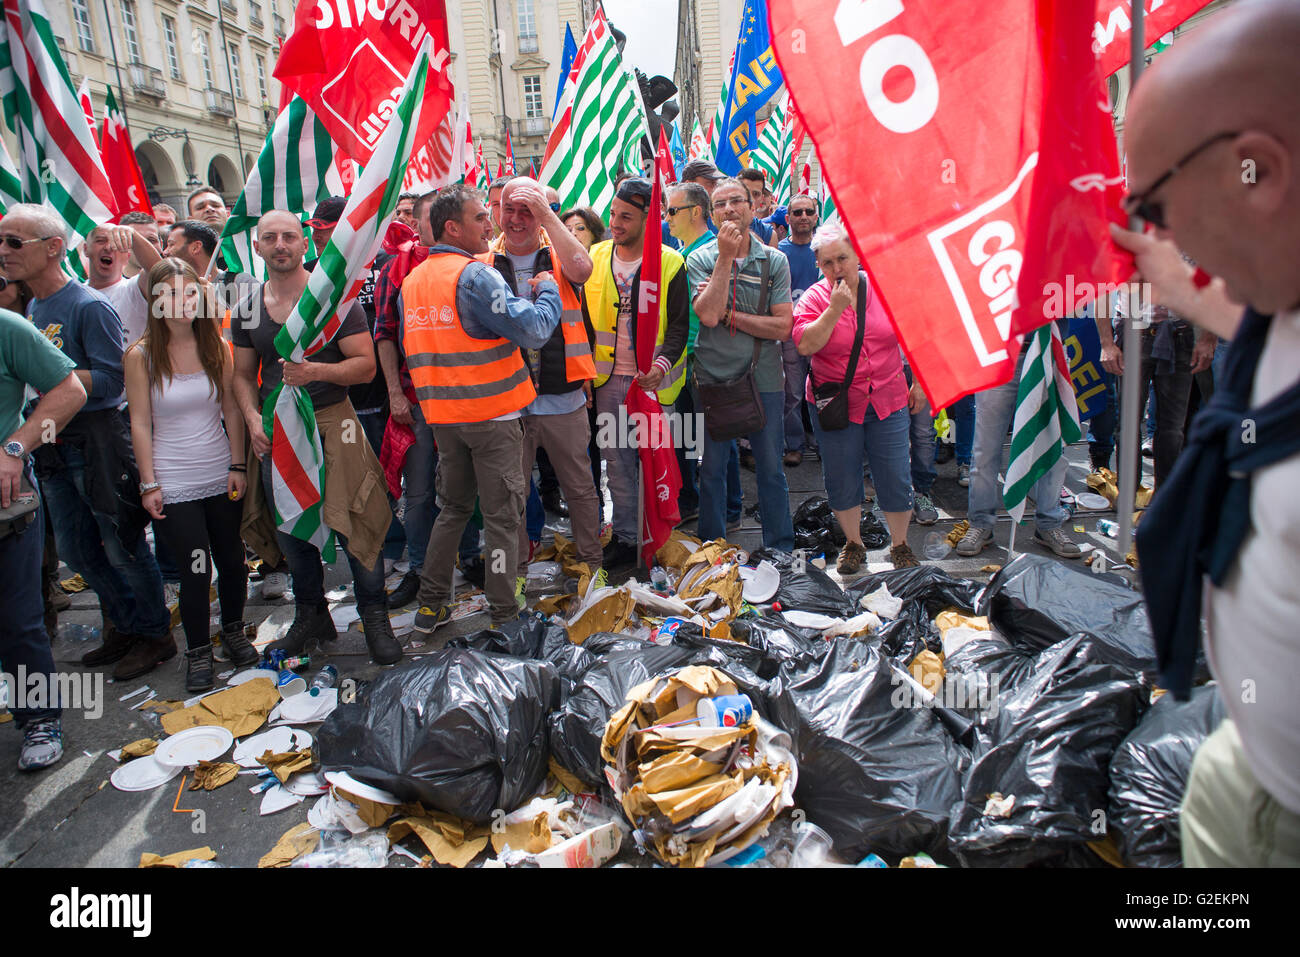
825,324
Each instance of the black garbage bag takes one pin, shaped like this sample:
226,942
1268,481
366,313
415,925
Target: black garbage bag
929,584
459,730
877,769
534,637
1149,774
992,658
816,531
602,643
576,729
1037,601
1048,746
809,589
779,641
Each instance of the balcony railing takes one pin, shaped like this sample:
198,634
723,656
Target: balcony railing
220,103
532,126
148,80
230,5
528,43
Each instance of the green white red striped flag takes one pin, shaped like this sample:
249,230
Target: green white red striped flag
1047,417
699,145
11,188
826,210
59,163
297,459
601,120
772,152
294,171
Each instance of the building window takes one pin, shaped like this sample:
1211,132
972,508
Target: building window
236,81
255,14
527,19
206,58
169,42
261,77
132,36
533,95
81,14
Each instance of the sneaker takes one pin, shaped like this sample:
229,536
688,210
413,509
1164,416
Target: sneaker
198,668
598,580
384,647
521,591
311,626
239,650
903,557
923,510
1057,542
274,585
406,591
145,656
427,619
1148,449
973,542
389,565
793,458
42,745
618,554
963,475
851,558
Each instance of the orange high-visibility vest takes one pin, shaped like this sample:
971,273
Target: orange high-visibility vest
457,378
579,366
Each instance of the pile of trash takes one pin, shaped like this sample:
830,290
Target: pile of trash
746,710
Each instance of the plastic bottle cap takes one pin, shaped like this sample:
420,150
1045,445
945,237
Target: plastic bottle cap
776,606
314,692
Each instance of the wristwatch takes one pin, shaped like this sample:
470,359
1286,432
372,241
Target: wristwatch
15,448
147,487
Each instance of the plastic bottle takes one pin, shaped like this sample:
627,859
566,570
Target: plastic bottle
936,547
327,677
659,580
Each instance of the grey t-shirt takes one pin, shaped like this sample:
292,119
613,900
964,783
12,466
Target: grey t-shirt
260,335
720,354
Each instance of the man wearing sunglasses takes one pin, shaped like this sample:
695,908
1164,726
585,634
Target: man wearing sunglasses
801,217
1213,139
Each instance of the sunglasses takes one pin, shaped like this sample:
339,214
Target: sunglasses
674,210
13,242
1154,212
801,212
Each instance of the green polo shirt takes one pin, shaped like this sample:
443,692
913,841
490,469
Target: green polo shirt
701,241
721,355
26,358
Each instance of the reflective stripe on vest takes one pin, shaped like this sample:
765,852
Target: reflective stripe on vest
602,308
457,378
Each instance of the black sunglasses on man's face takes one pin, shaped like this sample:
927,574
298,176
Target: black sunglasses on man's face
1153,211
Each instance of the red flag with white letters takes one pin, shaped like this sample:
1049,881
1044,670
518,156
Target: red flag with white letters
120,163
1114,26
971,155
350,65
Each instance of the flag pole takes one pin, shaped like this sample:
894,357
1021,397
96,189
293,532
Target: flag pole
1011,543
1129,462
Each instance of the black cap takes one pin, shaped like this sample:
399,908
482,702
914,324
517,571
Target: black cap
327,212
635,190
700,168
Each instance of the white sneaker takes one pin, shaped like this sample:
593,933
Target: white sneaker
274,585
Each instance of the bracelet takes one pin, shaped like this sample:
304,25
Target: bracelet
147,487
238,468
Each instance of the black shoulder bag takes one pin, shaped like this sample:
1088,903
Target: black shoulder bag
734,408
832,398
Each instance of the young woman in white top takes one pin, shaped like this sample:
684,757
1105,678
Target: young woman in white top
179,386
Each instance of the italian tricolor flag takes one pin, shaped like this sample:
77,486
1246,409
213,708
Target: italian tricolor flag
297,459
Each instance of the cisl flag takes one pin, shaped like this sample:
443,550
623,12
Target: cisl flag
971,155
1114,25
120,163
348,59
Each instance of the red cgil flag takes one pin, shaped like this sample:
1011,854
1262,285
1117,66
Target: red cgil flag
350,66
972,159
664,161
660,478
1114,25
120,164
87,107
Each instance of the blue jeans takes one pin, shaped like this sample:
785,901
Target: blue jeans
796,377
735,492
881,442
308,573
923,472
622,462
962,415
688,499
1101,427
23,641
374,424
534,514
128,583
773,495
994,411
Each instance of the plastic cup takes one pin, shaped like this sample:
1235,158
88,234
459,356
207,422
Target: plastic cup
290,684
936,547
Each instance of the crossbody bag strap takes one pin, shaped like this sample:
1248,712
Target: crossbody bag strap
862,328
763,297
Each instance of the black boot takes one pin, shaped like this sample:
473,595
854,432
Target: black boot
116,646
198,668
239,649
383,644
406,590
311,626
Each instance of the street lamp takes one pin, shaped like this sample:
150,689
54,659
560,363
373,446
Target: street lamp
161,133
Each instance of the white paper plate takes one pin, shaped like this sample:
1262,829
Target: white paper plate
761,583
307,784
1091,500
277,741
278,798
350,785
809,619
187,748
306,708
250,674
142,774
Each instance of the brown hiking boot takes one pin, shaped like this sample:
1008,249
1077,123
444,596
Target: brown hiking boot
115,647
902,556
147,655
851,558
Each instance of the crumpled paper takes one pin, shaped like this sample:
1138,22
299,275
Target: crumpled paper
293,843
532,836
927,669
286,763
611,613
448,839
210,775
241,710
178,859
139,748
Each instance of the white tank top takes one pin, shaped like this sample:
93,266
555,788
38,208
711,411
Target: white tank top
191,453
